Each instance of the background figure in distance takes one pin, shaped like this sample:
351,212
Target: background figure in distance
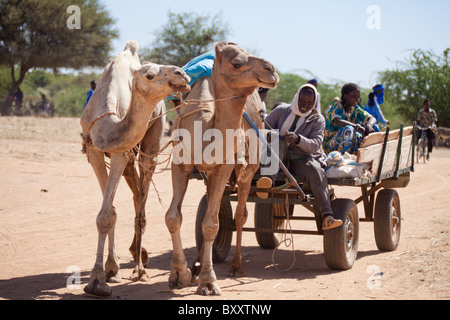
90,92
314,83
374,109
427,118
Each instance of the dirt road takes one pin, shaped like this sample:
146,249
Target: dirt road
49,199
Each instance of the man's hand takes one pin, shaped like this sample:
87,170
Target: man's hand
291,137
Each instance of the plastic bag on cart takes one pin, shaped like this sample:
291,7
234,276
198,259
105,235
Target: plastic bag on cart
344,166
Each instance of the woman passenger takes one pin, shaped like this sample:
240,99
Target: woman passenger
347,123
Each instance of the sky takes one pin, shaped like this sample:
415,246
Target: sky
331,40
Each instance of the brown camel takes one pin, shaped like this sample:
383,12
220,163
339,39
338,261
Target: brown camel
116,120
236,75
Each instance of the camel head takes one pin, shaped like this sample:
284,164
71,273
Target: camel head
158,81
242,71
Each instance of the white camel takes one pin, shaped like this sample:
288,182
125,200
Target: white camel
116,120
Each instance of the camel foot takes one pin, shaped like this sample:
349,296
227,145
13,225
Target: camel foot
180,280
144,255
209,289
139,275
236,272
98,288
113,277
208,285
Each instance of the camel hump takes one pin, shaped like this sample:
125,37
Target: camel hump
133,46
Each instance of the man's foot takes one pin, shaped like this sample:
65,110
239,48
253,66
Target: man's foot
329,222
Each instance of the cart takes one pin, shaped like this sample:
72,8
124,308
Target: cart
390,156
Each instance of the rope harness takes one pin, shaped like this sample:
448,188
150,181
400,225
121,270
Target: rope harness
136,150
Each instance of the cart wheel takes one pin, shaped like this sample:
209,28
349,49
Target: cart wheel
341,244
266,215
222,244
387,222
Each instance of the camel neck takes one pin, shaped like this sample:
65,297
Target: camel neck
138,116
126,133
228,112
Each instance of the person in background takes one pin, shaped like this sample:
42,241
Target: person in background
314,83
19,98
347,123
90,92
378,90
427,118
373,108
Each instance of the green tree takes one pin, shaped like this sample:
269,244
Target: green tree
424,75
185,36
37,34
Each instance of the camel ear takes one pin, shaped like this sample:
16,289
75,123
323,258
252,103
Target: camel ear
219,46
133,46
218,49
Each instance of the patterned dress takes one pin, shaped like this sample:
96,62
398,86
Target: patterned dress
344,139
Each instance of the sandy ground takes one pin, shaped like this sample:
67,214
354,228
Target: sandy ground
49,199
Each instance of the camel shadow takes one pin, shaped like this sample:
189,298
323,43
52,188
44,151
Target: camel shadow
259,265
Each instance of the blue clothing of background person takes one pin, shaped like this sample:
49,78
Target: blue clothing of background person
90,93
378,90
373,108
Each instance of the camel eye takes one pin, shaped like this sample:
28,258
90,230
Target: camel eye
236,65
150,77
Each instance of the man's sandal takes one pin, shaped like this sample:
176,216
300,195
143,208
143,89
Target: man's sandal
329,223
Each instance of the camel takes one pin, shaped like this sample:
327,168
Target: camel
116,120
442,132
236,75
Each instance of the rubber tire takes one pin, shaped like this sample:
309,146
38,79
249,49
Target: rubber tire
341,243
222,243
264,219
387,221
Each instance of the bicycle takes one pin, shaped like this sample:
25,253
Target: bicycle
422,145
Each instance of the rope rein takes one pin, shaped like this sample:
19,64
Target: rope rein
182,104
136,150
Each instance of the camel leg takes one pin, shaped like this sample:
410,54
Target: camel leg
150,145
136,186
97,160
240,218
146,173
210,226
106,220
180,275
